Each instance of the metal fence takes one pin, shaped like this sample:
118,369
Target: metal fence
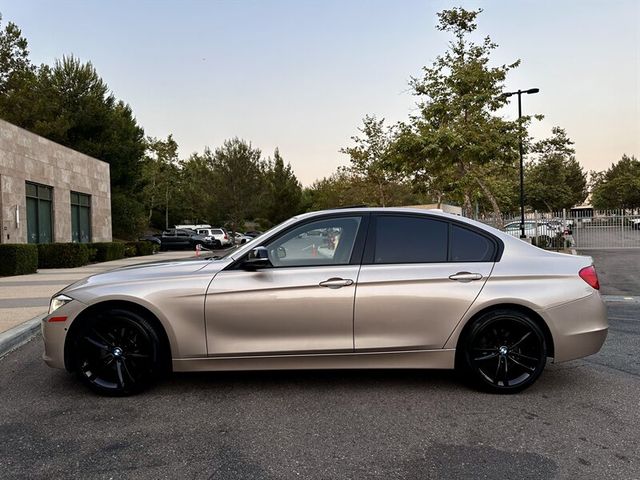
583,228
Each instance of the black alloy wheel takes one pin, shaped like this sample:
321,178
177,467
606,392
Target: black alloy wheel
504,352
117,352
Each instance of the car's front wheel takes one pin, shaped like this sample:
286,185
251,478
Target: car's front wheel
117,352
504,351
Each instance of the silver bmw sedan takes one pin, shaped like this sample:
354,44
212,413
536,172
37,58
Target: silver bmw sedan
348,288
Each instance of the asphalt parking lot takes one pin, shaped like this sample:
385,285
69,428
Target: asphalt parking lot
578,421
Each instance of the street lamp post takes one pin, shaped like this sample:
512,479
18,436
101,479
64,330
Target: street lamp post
519,93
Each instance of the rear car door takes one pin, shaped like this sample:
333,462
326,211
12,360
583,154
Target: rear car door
412,293
302,303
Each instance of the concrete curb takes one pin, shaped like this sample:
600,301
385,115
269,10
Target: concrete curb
19,335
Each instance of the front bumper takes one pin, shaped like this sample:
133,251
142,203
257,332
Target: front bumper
54,333
579,328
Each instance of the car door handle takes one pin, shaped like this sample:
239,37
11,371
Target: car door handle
465,277
336,283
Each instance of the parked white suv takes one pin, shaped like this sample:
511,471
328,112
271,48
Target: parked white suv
219,234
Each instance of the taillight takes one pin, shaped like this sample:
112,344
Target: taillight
589,275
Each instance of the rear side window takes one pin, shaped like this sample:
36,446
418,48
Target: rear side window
469,246
403,239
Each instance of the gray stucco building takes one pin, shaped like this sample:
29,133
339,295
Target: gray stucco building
50,193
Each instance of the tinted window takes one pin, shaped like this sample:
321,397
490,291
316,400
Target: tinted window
410,240
468,246
324,242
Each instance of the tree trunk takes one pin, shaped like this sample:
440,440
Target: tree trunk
494,203
467,208
382,199
166,208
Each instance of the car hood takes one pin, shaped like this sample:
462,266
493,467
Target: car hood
146,272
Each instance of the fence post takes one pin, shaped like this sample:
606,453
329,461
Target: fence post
535,219
622,227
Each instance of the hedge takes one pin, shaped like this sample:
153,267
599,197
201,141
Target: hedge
106,251
18,259
139,249
62,255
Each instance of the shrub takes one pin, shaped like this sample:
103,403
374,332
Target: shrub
130,249
107,251
146,248
139,249
62,255
18,259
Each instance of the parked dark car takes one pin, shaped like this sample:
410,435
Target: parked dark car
182,238
253,233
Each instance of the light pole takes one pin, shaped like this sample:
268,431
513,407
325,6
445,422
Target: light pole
519,93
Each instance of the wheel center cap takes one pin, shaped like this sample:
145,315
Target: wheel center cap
117,352
503,350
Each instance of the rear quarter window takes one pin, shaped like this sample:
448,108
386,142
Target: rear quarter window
469,246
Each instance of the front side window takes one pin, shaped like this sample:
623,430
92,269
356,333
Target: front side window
323,242
404,239
80,217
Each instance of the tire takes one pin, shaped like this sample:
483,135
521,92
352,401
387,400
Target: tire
118,352
504,351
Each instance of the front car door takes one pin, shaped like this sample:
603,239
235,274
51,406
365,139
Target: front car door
411,296
303,303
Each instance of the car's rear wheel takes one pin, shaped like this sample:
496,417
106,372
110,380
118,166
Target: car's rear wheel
505,351
117,352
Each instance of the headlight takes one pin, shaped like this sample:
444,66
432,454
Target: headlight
57,302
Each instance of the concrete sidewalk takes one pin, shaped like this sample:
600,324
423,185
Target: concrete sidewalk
24,297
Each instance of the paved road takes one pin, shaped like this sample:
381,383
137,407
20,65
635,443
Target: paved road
579,421
618,270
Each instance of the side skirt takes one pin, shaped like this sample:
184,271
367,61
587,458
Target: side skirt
444,359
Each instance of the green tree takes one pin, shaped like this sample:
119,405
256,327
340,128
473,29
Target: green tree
371,160
284,192
238,181
458,132
554,180
195,192
345,188
14,58
81,113
159,175
619,186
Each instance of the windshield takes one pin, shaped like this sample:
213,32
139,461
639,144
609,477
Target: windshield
249,245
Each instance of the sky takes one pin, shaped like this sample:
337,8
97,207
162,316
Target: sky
301,74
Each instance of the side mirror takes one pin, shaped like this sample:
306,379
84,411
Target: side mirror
257,258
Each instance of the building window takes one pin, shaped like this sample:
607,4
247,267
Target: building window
80,217
39,224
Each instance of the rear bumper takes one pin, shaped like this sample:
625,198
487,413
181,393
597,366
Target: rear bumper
579,328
